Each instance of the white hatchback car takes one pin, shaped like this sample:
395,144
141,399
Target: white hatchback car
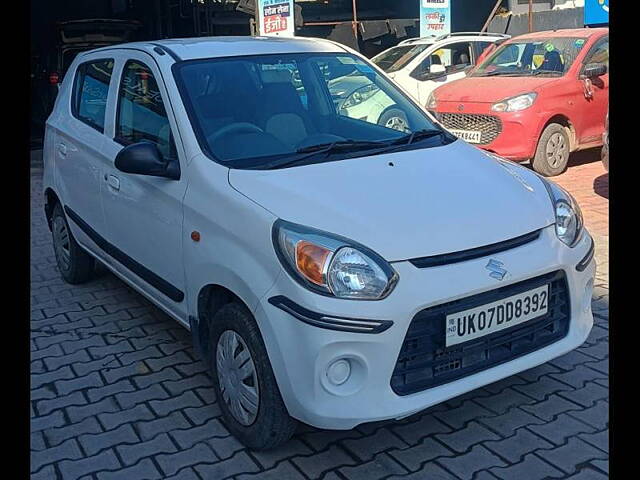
420,65
331,270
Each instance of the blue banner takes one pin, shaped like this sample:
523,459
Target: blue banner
435,17
596,12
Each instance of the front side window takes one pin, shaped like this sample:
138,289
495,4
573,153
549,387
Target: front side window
251,111
397,58
454,58
141,112
532,57
599,53
91,89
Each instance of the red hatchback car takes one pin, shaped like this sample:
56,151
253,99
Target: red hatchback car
537,97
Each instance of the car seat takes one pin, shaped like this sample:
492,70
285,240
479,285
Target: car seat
552,62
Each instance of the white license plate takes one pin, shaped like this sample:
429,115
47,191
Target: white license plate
468,135
493,317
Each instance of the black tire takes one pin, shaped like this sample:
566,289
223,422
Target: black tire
75,265
396,117
272,425
552,152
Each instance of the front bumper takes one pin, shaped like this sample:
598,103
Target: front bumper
518,137
300,353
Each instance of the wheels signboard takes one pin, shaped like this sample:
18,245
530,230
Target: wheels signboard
275,18
435,17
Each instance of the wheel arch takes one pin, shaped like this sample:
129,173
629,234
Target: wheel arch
569,127
50,201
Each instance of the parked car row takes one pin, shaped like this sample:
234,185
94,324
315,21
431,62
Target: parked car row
536,97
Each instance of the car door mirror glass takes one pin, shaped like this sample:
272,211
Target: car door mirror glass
593,70
144,158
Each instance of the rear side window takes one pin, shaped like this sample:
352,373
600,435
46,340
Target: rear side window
91,88
141,111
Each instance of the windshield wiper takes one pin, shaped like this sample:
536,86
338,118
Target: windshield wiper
498,72
540,72
327,148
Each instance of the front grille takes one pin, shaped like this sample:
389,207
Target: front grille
489,125
424,360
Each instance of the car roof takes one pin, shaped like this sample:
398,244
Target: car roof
568,32
458,37
211,47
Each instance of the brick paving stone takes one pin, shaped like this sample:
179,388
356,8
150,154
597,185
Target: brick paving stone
200,415
121,386
72,470
563,427
269,459
66,450
314,466
189,437
55,419
131,454
93,444
507,423
413,432
163,407
531,467
458,417
47,473
151,378
551,407
135,414
225,447
479,458
53,363
430,471
284,471
515,447
597,416
503,401
573,453
588,474
55,436
130,399
145,470
239,463
381,466
414,457
587,395
598,439
47,406
150,429
461,440
66,386
366,447
105,409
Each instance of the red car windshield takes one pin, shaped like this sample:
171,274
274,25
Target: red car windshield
551,56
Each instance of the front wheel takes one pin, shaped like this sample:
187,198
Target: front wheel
552,153
246,388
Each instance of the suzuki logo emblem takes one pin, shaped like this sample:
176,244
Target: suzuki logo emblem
460,107
495,267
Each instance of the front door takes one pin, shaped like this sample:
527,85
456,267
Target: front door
144,214
455,58
594,103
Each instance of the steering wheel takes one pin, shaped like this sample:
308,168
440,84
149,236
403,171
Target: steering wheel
239,127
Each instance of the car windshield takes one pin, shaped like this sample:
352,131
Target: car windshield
396,58
532,57
269,110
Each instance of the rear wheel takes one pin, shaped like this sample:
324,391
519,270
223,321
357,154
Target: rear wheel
75,265
246,388
552,153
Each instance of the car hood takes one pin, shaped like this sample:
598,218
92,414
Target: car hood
489,89
345,86
407,204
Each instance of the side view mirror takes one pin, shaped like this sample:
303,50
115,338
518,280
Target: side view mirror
144,158
593,70
437,70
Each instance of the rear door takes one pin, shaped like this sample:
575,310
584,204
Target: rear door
78,146
143,214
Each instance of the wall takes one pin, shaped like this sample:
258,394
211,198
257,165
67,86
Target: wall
549,20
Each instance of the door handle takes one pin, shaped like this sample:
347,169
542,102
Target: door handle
114,182
62,150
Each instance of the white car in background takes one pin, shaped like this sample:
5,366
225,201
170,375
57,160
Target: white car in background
420,65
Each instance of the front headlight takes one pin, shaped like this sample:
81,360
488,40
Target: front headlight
515,104
569,221
432,102
361,95
332,265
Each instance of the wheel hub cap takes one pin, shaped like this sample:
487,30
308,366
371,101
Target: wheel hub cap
397,123
237,377
556,150
61,243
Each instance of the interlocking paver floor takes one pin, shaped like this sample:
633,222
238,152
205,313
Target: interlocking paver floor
117,392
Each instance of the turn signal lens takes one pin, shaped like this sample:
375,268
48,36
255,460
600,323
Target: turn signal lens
311,260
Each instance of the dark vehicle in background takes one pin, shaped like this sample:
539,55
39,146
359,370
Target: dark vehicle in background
605,144
74,36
